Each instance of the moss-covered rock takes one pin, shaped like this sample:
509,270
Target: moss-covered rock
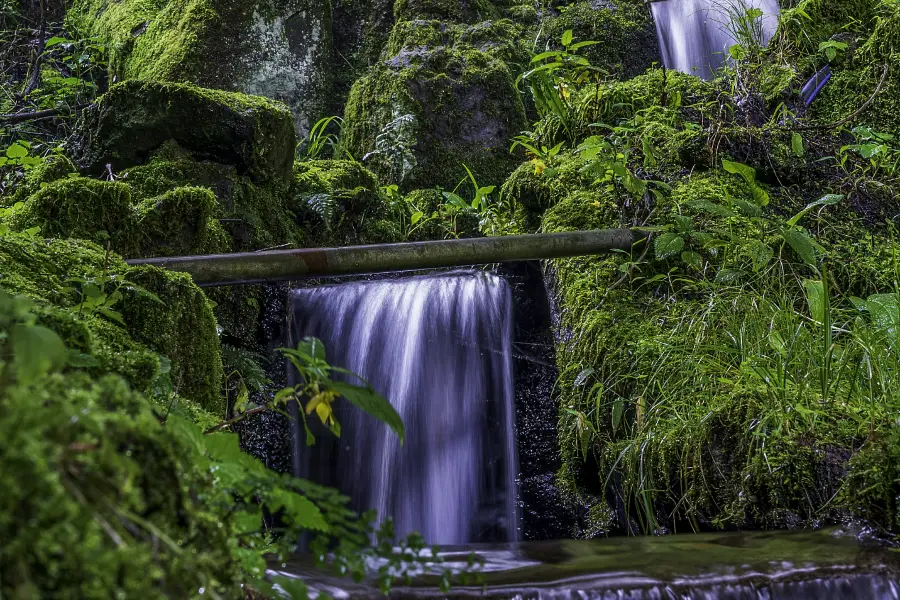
177,222
858,80
53,168
627,43
435,108
136,118
281,50
254,216
119,328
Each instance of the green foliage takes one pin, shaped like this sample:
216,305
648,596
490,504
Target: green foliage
320,139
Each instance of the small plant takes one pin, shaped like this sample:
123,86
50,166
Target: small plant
554,76
321,140
394,147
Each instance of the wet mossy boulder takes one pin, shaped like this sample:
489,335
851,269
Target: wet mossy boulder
340,202
627,42
119,319
254,216
281,50
420,115
135,118
870,69
178,222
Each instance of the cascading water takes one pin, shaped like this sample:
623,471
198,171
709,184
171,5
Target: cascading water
694,35
439,349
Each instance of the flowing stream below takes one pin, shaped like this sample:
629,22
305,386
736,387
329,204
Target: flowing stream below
818,565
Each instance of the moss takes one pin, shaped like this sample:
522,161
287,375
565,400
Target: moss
671,102
177,222
466,11
81,208
537,192
178,323
811,22
340,202
121,465
52,169
181,222
463,107
185,332
853,86
135,118
627,43
254,216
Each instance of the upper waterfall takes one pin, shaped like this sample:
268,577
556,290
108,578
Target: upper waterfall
439,349
694,35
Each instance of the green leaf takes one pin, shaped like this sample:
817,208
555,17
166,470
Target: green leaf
312,348
730,276
16,150
797,145
618,410
802,245
746,172
683,224
885,312
298,509
36,351
668,244
693,259
55,41
760,253
815,299
567,38
370,401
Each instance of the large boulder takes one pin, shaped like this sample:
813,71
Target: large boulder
136,118
278,49
443,96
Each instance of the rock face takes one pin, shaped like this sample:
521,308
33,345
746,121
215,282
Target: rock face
278,49
443,95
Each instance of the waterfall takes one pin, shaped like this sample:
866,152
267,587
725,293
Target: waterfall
694,35
439,349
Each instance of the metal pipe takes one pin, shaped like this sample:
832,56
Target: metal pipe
286,265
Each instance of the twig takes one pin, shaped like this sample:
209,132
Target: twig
237,419
855,113
14,118
35,80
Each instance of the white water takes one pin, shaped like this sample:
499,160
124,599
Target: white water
439,349
694,36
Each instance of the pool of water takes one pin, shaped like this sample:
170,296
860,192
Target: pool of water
826,564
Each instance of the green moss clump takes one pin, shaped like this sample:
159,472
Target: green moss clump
185,332
86,464
465,11
853,85
53,168
135,118
254,216
181,222
81,208
340,202
178,222
177,323
624,29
